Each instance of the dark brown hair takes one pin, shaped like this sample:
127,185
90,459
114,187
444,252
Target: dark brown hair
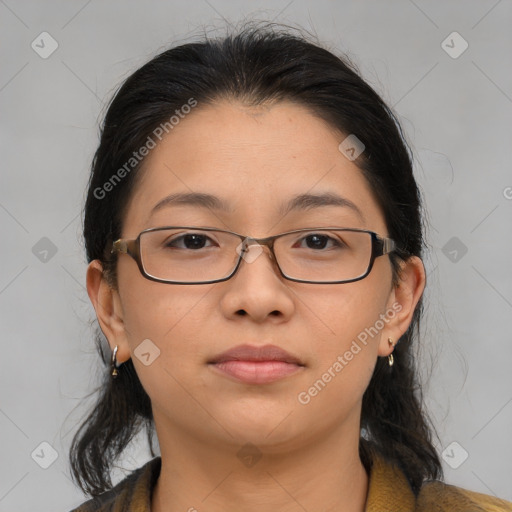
257,65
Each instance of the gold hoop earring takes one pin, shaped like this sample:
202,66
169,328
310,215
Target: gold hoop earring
113,364
391,359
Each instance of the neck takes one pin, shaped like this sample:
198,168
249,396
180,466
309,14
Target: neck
324,475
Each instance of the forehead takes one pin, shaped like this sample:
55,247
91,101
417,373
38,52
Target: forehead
256,160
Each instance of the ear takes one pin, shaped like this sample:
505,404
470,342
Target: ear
107,304
402,301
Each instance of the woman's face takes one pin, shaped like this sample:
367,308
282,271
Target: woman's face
255,160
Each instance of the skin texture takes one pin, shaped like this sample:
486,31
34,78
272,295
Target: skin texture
255,158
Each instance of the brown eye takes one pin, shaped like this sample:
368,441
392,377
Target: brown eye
189,241
318,241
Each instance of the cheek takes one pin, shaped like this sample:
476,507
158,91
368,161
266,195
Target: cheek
345,349
343,364
346,312
164,328
172,317
177,321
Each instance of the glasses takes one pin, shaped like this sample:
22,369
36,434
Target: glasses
194,255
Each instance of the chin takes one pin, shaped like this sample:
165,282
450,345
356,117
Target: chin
274,428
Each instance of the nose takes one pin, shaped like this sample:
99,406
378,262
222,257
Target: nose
257,289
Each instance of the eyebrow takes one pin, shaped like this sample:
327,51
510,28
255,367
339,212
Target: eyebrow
299,202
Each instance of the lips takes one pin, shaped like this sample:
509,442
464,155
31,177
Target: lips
256,365
252,353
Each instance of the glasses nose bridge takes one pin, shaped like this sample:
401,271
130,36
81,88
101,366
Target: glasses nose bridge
267,241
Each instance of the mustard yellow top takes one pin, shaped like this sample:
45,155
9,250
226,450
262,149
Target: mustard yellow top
388,491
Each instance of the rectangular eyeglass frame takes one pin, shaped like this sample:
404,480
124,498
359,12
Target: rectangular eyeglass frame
380,246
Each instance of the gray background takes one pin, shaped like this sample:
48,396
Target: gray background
456,113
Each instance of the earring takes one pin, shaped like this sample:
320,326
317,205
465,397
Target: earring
113,364
391,359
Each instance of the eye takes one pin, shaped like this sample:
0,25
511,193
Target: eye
188,241
320,241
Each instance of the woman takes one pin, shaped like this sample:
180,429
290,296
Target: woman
253,229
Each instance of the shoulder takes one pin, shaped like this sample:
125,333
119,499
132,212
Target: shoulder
389,489
131,494
437,496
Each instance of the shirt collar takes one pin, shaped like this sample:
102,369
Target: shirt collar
388,488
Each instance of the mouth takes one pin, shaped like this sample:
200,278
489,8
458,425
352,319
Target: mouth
256,365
